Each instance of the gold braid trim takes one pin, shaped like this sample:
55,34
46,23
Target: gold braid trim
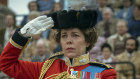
25,45
15,44
63,75
46,66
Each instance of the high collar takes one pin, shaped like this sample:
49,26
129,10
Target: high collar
78,61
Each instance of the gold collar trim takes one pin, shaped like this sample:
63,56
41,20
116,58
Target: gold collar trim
78,61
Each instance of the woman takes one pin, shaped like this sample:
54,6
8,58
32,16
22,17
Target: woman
76,36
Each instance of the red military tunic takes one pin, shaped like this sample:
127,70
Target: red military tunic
19,69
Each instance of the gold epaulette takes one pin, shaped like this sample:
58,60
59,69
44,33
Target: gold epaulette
56,55
101,65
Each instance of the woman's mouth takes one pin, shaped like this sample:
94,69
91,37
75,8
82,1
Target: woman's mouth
70,48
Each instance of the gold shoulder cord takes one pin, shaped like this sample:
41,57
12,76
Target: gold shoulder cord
46,66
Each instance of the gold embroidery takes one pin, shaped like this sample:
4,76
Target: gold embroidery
71,69
56,54
63,75
46,66
78,61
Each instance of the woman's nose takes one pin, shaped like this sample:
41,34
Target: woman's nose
69,40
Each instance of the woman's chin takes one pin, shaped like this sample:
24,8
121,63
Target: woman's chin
70,55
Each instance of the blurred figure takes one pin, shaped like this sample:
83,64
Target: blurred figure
130,55
102,4
95,52
5,34
107,27
117,40
30,51
134,22
115,4
33,15
54,46
4,10
107,55
126,11
43,51
10,23
32,6
139,42
45,6
137,2
2,24
56,7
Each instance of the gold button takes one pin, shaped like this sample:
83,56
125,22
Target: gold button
71,69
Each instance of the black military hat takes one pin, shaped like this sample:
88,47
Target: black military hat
72,18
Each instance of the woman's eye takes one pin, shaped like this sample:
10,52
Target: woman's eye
75,35
63,36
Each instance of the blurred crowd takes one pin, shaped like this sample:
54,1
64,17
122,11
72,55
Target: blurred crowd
118,27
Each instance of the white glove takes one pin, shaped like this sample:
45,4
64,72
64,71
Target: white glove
36,26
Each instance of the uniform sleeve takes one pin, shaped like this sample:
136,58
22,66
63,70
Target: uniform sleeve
15,68
109,74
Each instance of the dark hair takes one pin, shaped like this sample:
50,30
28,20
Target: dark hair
33,2
132,38
90,35
137,5
106,45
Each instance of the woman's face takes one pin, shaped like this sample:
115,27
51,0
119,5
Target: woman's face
73,42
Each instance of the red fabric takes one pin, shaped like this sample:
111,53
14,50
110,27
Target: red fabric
19,69
109,74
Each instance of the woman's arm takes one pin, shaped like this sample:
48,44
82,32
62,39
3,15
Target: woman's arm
9,62
15,68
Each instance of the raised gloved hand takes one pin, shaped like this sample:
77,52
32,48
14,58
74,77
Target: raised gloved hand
36,26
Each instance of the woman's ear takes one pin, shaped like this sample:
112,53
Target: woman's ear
87,45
